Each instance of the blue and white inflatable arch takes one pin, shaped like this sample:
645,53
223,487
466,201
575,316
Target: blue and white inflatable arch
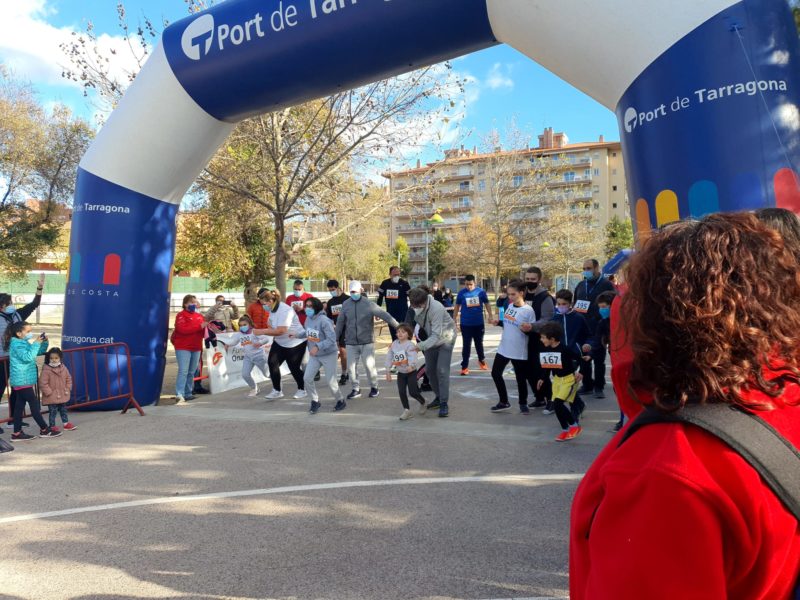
707,94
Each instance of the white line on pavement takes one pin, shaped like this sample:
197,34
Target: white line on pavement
500,479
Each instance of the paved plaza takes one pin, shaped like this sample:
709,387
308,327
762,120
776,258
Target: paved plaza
234,497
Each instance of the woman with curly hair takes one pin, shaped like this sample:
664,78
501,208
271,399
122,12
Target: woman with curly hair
711,316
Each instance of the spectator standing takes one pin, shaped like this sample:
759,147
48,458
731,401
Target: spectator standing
187,339
55,385
258,311
224,312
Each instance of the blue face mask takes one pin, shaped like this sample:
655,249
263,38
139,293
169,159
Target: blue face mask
9,310
266,307
191,307
298,293
334,293
605,312
588,274
310,312
28,336
356,297
244,328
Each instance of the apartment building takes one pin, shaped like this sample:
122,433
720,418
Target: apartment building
588,176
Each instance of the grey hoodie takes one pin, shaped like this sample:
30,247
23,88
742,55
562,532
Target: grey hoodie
320,334
437,323
357,321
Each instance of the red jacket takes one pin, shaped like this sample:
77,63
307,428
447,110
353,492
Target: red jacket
188,334
675,513
259,316
299,305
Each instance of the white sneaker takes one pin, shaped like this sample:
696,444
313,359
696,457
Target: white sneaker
407,414
423,408
299,394
180,399
274,395
253,393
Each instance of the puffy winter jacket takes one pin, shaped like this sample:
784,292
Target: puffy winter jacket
23,361
55,384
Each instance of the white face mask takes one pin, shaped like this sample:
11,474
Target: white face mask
418,310
55,363
396,279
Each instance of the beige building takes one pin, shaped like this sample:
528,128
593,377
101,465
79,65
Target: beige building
589,176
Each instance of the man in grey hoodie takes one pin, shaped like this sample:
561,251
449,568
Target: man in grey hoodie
440,329
356,321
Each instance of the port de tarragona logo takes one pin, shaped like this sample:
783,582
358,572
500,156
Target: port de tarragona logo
94,275
198,37
630,118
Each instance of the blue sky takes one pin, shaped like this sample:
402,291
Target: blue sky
505,85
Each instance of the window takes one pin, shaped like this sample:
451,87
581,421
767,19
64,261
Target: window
463,202
596,155
518,179
481,170
596,189
464,170
614,205
464,186
614,188
569,176
482,185
587,173
597,172
597,206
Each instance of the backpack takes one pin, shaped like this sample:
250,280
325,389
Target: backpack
775,459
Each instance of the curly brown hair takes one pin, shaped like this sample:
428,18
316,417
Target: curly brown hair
712,313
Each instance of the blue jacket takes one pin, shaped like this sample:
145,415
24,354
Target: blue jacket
320,333
576,331
24,371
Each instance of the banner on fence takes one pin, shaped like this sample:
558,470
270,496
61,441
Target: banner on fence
224,366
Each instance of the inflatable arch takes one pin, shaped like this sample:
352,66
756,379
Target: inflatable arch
706,94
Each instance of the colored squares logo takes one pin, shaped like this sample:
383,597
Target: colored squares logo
95,269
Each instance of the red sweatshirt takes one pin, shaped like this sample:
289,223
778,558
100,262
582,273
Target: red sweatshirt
299,305
675,513
188,334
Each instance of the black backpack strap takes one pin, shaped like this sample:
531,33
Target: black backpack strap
755,440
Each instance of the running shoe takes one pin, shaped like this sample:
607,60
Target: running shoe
563,436
180,400
444,411
21,437
617,426
501,407
344,379
524,410
253,393
464,372
423,408
483,365
315,406
70,427
374,393
599,394
50,432
574,432
274,395
300,394
354,394
434,404
538,403
407,414
340,405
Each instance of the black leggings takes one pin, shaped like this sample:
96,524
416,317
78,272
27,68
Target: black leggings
23,397
521,369
291,356
564,414
407,384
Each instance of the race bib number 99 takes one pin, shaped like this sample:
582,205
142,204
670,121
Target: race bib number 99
582,306
399,359
550,360
473,301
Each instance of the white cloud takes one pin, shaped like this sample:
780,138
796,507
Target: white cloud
499,77
31,46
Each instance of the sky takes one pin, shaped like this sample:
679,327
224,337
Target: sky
504,85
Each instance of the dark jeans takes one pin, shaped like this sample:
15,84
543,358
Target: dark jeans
521,372
564,414
23,397
3,384
292,357
594,380
56,409
407,385
535,374
468,334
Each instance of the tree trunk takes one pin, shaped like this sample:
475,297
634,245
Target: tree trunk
281,256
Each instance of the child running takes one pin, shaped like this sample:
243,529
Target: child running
55,384
402,355
559,360
23,348
254,355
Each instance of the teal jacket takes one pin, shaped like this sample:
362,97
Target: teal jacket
24,371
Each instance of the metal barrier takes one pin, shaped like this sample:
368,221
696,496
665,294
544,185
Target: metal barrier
100,374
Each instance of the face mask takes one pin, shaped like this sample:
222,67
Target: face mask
191,307
9,310
266,307
588,274
55,363
334,293
28,336
310,312
419,310
396,279
355,297
244,328
298,293
562,310
532,285
605,312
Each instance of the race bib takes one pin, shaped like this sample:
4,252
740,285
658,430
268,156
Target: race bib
473,301
399,359
510,317
550,360
313,335
336,310
582,306
392,294
297,305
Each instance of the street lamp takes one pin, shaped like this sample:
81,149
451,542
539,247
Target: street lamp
436,219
